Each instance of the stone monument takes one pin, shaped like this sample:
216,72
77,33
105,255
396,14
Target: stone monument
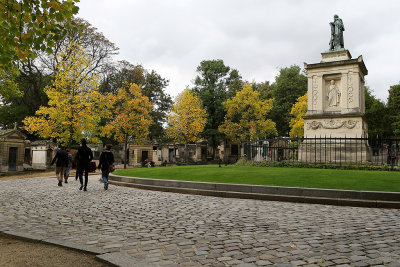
336,99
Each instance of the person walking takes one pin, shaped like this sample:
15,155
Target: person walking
61,159
83,158
106,161
68,169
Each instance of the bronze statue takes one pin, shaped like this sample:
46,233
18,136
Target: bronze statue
337,29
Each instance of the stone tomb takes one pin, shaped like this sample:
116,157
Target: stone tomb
43,152
12,150
336,108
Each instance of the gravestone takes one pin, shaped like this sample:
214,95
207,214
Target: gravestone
336,104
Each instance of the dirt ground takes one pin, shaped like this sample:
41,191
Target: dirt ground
18,253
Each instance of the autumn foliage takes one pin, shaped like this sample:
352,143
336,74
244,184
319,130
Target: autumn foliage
132,114
187,119
75,106
299,110
245,119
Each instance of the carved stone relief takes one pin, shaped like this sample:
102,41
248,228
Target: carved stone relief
314,90
332,124
350,88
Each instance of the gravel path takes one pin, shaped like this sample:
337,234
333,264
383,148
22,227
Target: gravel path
167,229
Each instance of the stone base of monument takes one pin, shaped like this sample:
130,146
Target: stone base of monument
337,151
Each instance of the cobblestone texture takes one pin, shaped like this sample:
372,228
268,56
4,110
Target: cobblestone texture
168,229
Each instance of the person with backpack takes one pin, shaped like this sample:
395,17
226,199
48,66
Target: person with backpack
106,164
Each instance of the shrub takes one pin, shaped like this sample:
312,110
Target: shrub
286,164
242,162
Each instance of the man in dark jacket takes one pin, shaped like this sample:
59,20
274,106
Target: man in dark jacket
62,162
106,160
83,158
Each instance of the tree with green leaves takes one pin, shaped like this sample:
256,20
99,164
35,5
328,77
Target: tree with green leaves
32,24
393,106
26,99
214,84
152,85
289,85
377,116
8,91
264,88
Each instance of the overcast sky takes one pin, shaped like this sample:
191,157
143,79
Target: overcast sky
256,37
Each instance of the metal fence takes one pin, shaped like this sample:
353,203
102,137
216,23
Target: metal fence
325,150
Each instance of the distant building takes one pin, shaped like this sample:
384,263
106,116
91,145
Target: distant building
43,152
149,151
12,150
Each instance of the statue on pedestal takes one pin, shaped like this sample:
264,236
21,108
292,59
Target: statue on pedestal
337,29
333,95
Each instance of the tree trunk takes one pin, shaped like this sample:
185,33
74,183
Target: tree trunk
224,157
126,150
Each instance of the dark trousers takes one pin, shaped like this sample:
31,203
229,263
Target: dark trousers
104,175
81,169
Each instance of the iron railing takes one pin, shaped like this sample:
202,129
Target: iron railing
325,150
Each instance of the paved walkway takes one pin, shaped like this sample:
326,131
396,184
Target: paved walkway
168,229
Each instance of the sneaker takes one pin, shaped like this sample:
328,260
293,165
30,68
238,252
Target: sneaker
59,183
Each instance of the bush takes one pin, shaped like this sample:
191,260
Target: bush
282,164
365,166
242,162
286,164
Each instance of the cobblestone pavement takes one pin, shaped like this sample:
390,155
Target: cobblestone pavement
169,229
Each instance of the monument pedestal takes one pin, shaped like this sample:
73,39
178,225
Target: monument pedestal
336,107
334,150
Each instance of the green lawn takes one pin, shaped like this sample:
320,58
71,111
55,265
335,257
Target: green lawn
296,177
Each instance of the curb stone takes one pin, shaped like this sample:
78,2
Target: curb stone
369,199
121,260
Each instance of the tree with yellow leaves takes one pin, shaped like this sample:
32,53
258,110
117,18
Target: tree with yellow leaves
132,115
187,119
75,106
299,110
245,118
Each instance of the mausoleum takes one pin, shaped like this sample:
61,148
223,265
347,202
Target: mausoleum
12,150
